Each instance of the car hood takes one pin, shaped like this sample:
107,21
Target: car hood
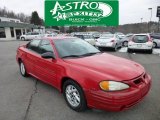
112,67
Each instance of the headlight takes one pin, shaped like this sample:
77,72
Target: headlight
112,86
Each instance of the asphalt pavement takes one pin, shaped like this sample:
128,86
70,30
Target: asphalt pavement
29,99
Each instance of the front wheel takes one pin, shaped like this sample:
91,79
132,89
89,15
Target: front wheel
23,38
154,45
74,96
125,43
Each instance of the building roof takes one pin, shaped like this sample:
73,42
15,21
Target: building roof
18,25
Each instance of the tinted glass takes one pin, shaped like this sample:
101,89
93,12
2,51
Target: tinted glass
140,39
34,33
45,46
74,46
33,45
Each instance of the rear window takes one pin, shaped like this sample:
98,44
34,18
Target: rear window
140,38
107,36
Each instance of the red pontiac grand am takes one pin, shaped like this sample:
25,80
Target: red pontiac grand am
85,76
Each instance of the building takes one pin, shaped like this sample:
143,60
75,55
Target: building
12,29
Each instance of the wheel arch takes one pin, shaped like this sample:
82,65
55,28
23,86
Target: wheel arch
64,79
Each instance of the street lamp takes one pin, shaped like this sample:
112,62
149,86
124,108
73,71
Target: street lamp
141,25
149,24
141,20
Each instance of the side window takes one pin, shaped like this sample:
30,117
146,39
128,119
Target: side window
33,45
45,46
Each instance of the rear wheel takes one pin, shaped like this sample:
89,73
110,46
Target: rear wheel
22,69
129,50
100,48
115,48
125,43
74,96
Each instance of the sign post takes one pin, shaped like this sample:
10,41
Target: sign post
81,13
158,15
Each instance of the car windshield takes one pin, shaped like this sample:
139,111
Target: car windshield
73,47
140,38
107,36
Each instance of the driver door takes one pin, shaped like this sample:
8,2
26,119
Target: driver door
46,69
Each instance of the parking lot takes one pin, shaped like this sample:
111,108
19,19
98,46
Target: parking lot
29,99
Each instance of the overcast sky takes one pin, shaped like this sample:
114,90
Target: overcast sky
131,11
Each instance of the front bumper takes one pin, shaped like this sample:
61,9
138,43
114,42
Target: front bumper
118,101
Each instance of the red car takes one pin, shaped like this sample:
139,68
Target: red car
85,76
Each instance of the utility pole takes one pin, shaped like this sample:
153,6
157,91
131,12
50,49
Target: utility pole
158,15
141,25
149,23
159,25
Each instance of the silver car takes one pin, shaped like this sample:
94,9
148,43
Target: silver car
109,41
156,43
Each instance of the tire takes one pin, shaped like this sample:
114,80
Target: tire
115,48
22,69
23,39
72,89
125,43
100,48
129,50
150,51
154,45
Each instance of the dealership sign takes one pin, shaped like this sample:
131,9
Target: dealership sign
81,13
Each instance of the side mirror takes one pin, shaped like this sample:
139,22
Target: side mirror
47,55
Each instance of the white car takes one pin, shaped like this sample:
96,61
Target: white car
50,35
90,39
120,35
141,42
109,41
30,36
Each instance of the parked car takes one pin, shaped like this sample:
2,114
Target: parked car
109,41
90,39
156,42
126,39
155,35
141,42
50,35
79,36
29,36
120,35
85,76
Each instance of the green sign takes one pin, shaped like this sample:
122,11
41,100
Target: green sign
81,13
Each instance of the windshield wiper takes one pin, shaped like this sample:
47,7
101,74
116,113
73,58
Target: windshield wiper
71,56
90,54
